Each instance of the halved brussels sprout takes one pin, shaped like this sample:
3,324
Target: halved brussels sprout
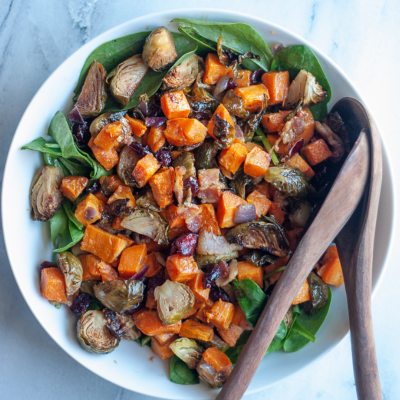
93,96
93,334
45,194
215,342
121,325
234,104
72,270
319,293
214,245
186,160
104,119
224,131
120,296
210,376
126,78
205,155
188,351
259,258
265,234
147,223
174,301
148,202
126,164
300,215
239,182
159,51
288,180
204,260
87,286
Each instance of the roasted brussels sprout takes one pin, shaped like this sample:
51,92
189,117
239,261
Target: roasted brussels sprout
186,160
126,78
223,131
121,326
215,342
45,194
93,334
147,223
174,301
93,96
234,104
201,91
72,270
148,202
290,181
120,296
204,260
127,162
300,215
259,258
205,155
265,234
188,351
184,74
239,182
305,89
319,293
214,245
159,51
210,376
104,119
334,140
87,287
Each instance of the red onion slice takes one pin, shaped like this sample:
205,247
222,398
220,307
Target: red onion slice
239,133
245,213
155,122
296,147
222,84
75,116
140,274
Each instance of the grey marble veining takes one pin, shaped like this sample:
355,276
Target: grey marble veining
37,35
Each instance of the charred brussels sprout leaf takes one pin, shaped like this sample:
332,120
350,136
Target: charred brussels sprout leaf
290,181
205,155
120,296
186,160
181,374
259,258
72,270
204,260
148,202
223,131
174,301
239,182
93,334
319,294
188,351
265,234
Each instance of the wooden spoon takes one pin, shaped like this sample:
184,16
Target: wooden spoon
338,206
355,245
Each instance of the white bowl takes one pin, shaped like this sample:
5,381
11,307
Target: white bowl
28,243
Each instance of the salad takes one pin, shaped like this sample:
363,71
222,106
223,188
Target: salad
177,188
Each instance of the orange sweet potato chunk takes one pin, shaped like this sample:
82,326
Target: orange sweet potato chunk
181,268
155,266
233,157
221,314
133,259
276,211
218,360
107,272
102,244
138,127
170,214
297,161
175,105
260,201
303,295
209,220
274,122
123,192
214,70
156,138
108,138
89,210
223,113
148,322
196,330
110,183
185,131
231,335
107,158
253,96
257,162
306,115
162,350
72,186
162,185
145,169
316,152
277,83
196,286
240,319
243,77
280,262
331,269
90,267
52,285
250,271
227,207
165,337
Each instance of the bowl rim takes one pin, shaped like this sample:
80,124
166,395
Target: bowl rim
210,15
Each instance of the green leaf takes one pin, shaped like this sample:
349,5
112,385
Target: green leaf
275,345
281,332
180,373
58,226
251,299
95,305
305,326
144,340
238,37
297,57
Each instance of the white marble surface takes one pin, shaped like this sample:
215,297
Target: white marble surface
37,35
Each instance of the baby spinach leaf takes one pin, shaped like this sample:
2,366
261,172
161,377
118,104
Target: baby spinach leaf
237,36
180,373
305,326
281,332
95,305
297,57
144,340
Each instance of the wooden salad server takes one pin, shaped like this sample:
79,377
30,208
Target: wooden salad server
336,210
355,245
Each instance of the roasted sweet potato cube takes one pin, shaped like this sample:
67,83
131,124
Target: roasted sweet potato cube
264,188
233,157
52,285
107,272
274,122
133,259
196,330
72,186
276,211
214,70
181,268
156,138
89,210
250,271
175,105
240,319
162,185
107,158
185,131
209,220
145,169
221,314
163,338
218,360
110,136
170,214
162,350
243,78
155,266
280,262
303,295
223,113
306,115
297,161
331,269
316,152
196,286
90,268
277,83
260,201
253,96
231,335
128,240
138,127
110,183
148,322
102,244
123,192
226,209
257,162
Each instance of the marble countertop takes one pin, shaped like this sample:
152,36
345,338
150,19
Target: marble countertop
36,36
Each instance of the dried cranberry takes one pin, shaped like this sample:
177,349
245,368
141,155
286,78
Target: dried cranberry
256,76
154,282
81,134
140,149
164,156
216,293
184,244
155,122
81,304
231,84
249,189
47,264
94,188
213,272
193,184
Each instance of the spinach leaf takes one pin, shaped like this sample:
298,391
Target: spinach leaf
180,373
251,299
238,37
297,57
281,332
305,326
95,305
144,340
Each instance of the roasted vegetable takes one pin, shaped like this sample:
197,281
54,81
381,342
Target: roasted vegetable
72,270
93,334
148,202
121,326
147,223
187,350
214,245
186,160
126,164
239,182
92,98
204,260
120,295
126,78
174,301
52,285
265,234
235,104
290,181
214,367
259,258
205,155
104,119
159,49
45,194
319,293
